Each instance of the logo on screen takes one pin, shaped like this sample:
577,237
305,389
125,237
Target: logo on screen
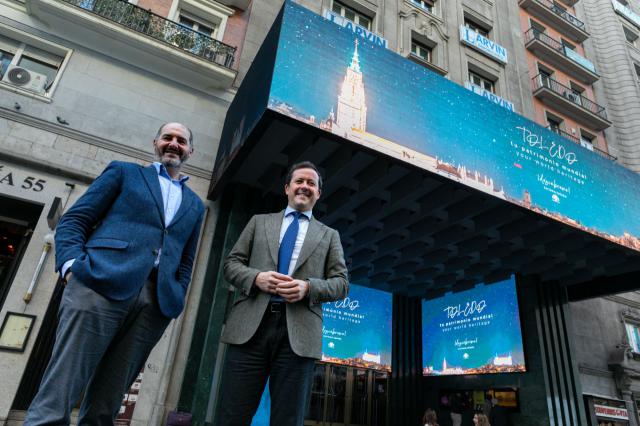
347,303
473,307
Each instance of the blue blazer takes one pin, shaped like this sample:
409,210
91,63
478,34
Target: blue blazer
114,232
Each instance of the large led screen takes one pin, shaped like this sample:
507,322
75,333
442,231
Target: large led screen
473,332
357,330
347,84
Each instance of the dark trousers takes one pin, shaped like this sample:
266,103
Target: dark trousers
267,355
100,347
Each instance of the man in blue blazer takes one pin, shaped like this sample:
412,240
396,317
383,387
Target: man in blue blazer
126,250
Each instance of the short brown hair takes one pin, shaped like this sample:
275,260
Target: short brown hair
303,165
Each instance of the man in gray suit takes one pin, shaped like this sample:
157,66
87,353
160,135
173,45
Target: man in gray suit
285,265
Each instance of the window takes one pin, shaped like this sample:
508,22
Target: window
559,7
481,81
555,124
576,88
568,44
538,27
39,68
5,60
422,51
475,27
575,94
634,337
544,71
586,140
199,25
352,15
637,68
424,4
208,18
631,36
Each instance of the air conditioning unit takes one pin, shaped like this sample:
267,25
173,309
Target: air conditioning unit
25,79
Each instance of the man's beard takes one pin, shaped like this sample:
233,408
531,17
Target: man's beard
170,162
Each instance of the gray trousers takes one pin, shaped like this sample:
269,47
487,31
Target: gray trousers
101,346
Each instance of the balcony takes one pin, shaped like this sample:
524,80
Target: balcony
560,56
574,139
626,13
139,37
565,22
574,105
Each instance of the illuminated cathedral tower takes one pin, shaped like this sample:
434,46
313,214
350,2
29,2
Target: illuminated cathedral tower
352,110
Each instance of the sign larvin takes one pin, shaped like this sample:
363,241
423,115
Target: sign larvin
483,44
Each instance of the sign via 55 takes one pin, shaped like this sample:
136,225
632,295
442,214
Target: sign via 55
29,183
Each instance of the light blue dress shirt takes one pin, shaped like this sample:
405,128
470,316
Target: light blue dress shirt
171,190
302,232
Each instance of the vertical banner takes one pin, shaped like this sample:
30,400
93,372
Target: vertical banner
357,330
473,332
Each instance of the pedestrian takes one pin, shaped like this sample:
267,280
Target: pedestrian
125,250
285,265
480,420
430,418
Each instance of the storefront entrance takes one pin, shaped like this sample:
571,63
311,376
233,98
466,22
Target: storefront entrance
606,411
348,396
17,221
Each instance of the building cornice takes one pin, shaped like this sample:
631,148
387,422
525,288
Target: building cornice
61,130
623,301
595,371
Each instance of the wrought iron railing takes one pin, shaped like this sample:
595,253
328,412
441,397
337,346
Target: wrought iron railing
159,28
541,80
564,134
532,34
561,12
576,140
605,154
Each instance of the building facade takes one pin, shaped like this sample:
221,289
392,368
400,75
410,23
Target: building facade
605,332
614,28
83,84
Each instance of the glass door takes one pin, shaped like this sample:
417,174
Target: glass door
348,396
380,397
336,396
359,398
315,415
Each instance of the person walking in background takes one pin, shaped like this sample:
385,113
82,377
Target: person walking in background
285,265
430,418
499,414
480,420
486,407
125,250
456,409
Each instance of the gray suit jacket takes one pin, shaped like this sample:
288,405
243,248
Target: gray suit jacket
321,262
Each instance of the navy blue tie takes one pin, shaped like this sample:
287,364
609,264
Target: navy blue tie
286,248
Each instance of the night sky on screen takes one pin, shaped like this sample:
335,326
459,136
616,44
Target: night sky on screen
497,335
360,323
414,107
